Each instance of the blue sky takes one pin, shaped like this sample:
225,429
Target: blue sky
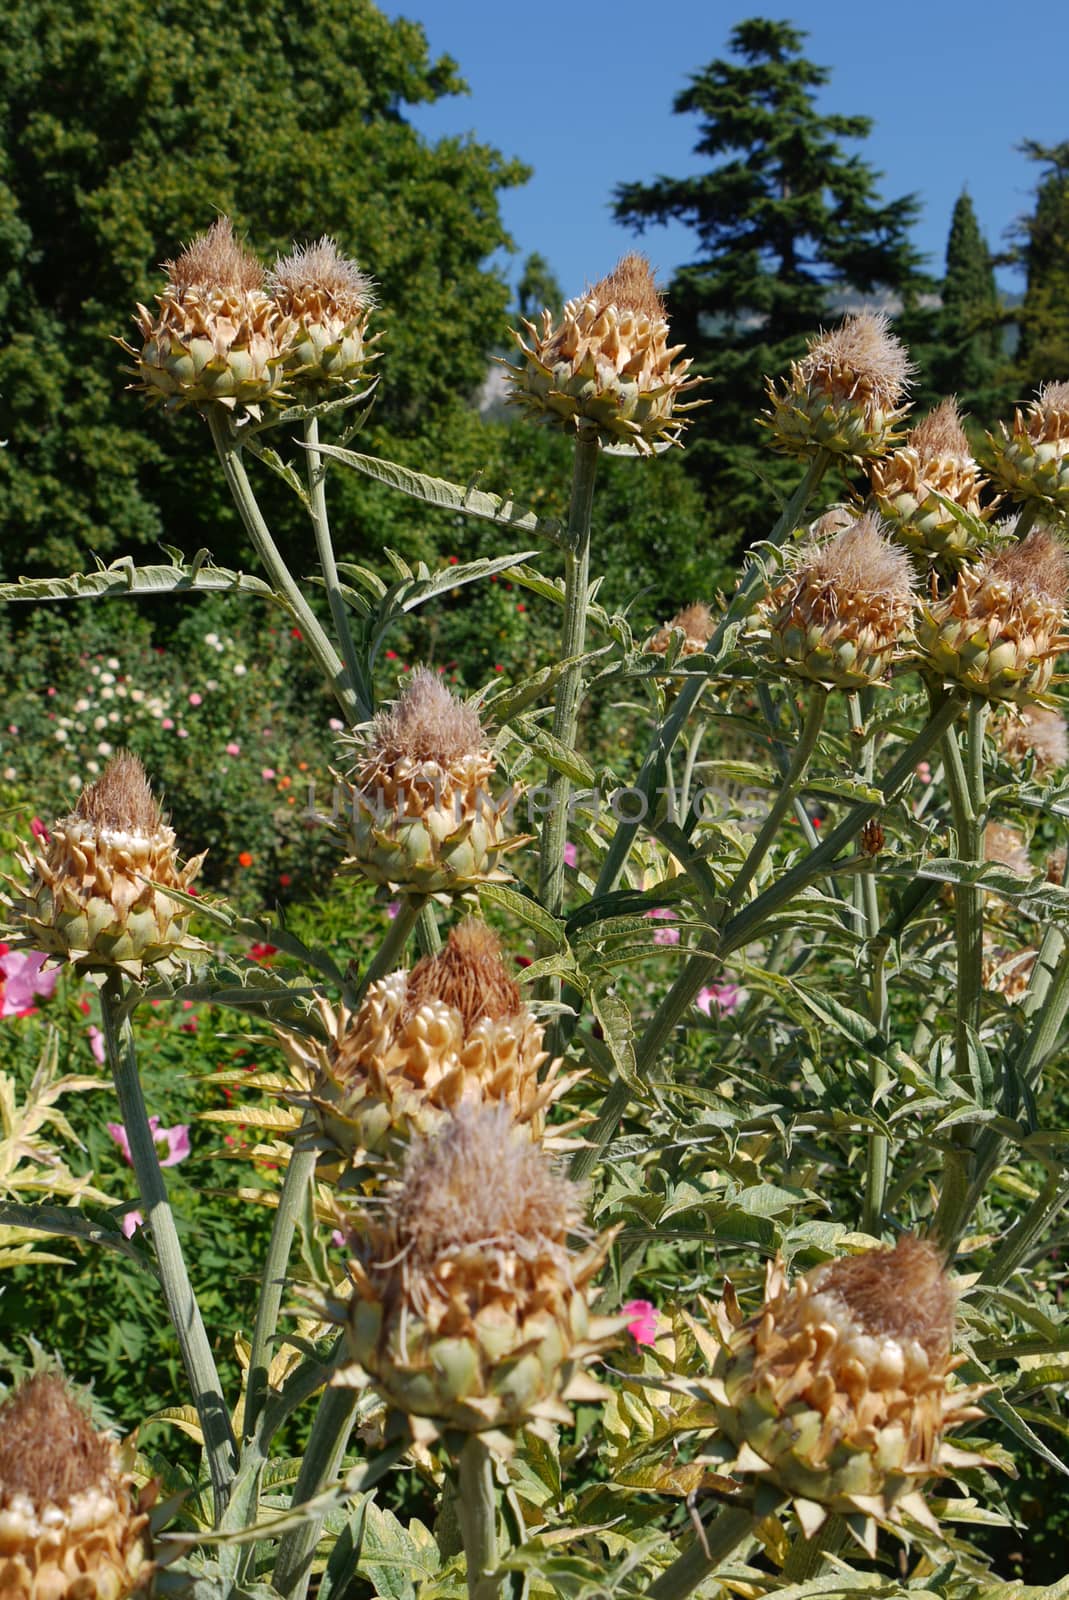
583,94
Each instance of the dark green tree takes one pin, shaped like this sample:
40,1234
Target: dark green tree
968,358
790,228
125,127
1043,318
538,287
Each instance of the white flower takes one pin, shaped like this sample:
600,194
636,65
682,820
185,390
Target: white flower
108,677
61,735
211,638
100,722
240,669
113,663
104,748
137,694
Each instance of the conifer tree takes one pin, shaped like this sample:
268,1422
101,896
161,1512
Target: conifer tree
790,229
1043,349
969,358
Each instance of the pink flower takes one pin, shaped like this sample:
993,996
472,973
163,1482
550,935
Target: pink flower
392,909
167,723
196,699
39,831
924,771
233,748
644,1318
335,725
571,854
23,981
176,1141
338,1238
664,935
96,1044
267,773
724,996
131,1222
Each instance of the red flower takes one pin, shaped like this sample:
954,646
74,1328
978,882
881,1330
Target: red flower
263,952
245,859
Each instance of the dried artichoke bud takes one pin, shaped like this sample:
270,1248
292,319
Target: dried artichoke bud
998,631
840,614
838,1391
845,395
326,301
606,369
452,1032
470,1306
71,1527
935,460
694,622
423,817
96,894
217,336
1031,461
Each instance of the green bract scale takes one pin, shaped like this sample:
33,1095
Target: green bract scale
846,393
217,337
96,894
469,1306
837,1391
840,614
998,631
71,1527
423,817
1031,460
606,369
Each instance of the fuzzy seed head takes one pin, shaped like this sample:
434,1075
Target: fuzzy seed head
121,799
1039,732
630,286
695,622
212,261
1006,847
428,723
838,615
900,1294
940,433
846,393
860,357
318,274
49,1449
1038,567
468,975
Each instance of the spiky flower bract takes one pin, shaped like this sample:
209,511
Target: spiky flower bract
1035,732
96,894
70,1527
606,369
839,615
998,631
845,395
837,1391
217,337
935,460
327,301
452,1032
470,1306
1031,460
423,816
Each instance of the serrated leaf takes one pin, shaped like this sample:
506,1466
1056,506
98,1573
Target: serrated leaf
526,910
124,577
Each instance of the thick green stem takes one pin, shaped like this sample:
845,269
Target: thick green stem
807,1557
792,783
723,1536
388,956
570,687
965,781
323,1456
428,936
877,1164
477,1510
339,611
322,651
178,1295
747,922
1026,517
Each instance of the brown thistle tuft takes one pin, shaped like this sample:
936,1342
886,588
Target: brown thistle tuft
940,433
121,799
845,394
428,723
1037,566
902,1293
1006,847
319,273
838,615
49,1449
696,624
630,286
1035,731
468,975
214,260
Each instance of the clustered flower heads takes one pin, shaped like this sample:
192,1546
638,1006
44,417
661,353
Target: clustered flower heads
998,631
97,891
840,614
934,461
837,1391
225,334
845,395
606,369
452,1032
422,814
1031,460
470,1305
70,1525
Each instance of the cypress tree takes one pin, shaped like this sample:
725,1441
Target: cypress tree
971,321
1043,350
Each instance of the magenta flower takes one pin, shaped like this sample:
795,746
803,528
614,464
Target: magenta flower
571,854
175,1140
392,908
23,981
644,1318
131,1221
724,996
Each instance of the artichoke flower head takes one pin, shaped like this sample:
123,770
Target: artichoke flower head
935,460
846,393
